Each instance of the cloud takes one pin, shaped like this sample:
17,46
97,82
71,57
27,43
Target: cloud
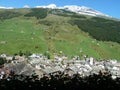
1,7
10,8
48,6
26,6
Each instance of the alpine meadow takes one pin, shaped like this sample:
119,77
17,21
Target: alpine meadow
42,30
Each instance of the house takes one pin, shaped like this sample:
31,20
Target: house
3,56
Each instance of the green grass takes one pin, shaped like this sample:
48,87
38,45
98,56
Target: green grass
28,34
20,34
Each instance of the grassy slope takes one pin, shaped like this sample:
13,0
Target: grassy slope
21,34
28,34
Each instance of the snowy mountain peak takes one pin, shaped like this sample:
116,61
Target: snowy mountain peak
83,10
77,9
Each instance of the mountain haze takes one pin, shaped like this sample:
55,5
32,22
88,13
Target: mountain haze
38,30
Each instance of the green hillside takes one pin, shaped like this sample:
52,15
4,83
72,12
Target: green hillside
41,30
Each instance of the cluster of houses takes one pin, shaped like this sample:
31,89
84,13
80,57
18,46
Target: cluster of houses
40,65
84,67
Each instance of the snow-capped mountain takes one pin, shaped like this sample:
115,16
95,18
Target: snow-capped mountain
76,9
83,10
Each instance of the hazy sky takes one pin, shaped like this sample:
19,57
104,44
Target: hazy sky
109,7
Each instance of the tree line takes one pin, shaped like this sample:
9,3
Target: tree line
39,13
7,14
99,28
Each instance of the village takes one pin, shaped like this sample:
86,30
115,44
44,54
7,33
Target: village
40,65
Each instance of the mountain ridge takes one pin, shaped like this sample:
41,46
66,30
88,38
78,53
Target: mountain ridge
74,8
77,9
